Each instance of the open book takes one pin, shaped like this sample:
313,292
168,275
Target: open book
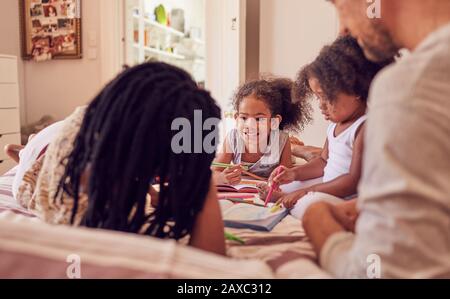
231,195
246,186
256,217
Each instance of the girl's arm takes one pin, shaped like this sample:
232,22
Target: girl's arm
311,170
314,168
347,184
224,156
208,232
231,175
286,155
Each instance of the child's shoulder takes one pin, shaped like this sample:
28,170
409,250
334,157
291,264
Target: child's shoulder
283,137
357,127
330,129
232,135
232,138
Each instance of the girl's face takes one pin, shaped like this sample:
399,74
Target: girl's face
254,120
343,107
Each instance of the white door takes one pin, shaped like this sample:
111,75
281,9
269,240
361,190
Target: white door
170,31
224,34
225,48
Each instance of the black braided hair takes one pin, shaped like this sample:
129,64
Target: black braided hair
125,142
277,94
340,67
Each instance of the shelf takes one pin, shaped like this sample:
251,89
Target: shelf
196,40
167,29
161,53
199,61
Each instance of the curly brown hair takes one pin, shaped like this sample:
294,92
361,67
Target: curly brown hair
340,68
277,94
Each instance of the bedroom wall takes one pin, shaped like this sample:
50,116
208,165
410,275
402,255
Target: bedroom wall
57,87
54,87
292,34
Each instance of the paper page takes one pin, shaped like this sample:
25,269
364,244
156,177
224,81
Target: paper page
225,205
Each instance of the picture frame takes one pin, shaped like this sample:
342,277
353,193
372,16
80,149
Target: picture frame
50,29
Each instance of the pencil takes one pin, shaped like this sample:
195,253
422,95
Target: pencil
253,175
272,188
225,165
234,196
275,208
247,201
232,237
244,170
248,182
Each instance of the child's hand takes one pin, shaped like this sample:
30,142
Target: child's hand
282,176
291,199
232,175
263,191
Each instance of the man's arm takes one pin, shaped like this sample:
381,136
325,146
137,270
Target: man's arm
319,224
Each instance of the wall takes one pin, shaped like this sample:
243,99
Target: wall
54,87
225,48
292,34
253,26
57,87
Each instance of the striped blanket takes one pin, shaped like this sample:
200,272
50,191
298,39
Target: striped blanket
7,201
286,249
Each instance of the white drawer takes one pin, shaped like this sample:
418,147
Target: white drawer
8,70
9,121
9,95
6,165
7,139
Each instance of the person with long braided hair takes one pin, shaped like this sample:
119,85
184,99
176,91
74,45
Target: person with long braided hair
99,171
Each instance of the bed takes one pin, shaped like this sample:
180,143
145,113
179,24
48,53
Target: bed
7,202
285,252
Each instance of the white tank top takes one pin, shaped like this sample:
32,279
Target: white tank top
271,158
340,150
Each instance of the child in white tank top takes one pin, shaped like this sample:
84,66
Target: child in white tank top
340,79
340,150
